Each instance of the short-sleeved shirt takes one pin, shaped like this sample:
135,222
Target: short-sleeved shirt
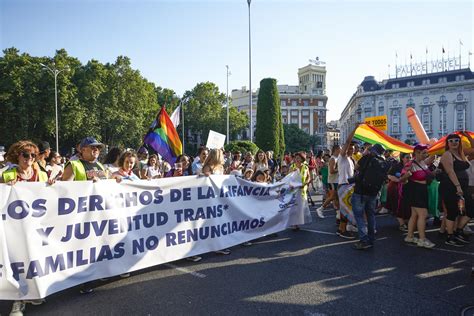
345,167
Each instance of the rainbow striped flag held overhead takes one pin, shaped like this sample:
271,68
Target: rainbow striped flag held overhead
372,135
163,138
438,147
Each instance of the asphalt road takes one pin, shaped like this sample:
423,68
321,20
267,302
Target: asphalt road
310,272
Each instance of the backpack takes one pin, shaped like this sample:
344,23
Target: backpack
372,176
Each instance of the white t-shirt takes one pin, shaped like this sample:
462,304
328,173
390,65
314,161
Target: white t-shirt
345,167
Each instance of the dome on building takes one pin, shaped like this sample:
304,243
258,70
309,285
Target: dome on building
369,84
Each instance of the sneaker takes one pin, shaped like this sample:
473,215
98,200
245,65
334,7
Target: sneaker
383,210
451,241
319,211
425,243
411,240
194,258
18,308
346,234
403,228
360,245
351,228
459,236
86,290
125,275
223,252
247,244
338,215
35,302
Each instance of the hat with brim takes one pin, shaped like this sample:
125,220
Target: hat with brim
91,141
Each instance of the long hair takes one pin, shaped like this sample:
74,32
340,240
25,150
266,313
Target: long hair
215,160
265,159
460,149
124,156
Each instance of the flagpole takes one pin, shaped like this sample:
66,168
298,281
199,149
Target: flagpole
396,61
182,124
460,63
426,60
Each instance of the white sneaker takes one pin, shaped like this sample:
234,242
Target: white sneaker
383,210
351,228
412,240
17,308
425,243
319,211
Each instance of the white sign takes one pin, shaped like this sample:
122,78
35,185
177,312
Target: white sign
215,140
56,237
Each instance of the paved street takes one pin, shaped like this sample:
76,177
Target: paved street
311,272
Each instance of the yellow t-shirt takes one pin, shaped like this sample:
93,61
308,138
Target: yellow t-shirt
357,156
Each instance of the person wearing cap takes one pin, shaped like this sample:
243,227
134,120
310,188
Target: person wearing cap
454,185
87,167
372,172
417,194
44,152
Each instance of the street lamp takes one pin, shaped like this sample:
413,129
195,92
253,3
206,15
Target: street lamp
55,72
250,79
228,74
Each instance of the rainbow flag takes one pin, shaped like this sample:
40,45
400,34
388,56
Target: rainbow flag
163,138
438,147
372,135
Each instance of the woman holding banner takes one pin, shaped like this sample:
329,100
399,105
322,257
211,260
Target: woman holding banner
23,155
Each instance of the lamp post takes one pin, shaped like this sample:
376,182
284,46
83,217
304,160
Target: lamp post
55,72
250,79
228,73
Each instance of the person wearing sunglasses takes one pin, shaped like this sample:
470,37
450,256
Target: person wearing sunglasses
454,184
87,167
23,155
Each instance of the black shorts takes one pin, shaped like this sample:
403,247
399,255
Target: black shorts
417,194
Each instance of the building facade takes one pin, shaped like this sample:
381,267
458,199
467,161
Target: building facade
443,102
332,134
303,105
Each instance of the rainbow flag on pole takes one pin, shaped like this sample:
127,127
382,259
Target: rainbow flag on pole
163,138
372,135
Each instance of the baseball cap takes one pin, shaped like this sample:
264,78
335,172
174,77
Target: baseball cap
43,146
90,141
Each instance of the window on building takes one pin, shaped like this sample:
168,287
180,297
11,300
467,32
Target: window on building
305,103
395,103
293,103
321,130
425,82
460,78
410,103
426,100
442,120
306,130
410,83
460,97
381,110
320,103
283,103
443,99
442,80
460,117
426,118
305,113
284,119
395,85
305,120
395,121
294,112
321,120
294,120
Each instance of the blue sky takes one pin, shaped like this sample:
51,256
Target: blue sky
177,44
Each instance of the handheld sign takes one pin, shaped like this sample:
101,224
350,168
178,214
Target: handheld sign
215,140
379,122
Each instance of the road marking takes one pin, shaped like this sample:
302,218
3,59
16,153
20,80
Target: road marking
184,270
318,232
454,251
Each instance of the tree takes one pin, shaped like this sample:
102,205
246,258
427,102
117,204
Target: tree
204,111
243,146
269,134
296,138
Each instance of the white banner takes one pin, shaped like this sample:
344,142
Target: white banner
55,237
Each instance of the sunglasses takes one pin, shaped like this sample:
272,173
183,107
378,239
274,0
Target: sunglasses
28,155
454,140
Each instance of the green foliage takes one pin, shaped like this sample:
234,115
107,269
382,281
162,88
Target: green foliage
269,130
296,139
241,145
203,111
